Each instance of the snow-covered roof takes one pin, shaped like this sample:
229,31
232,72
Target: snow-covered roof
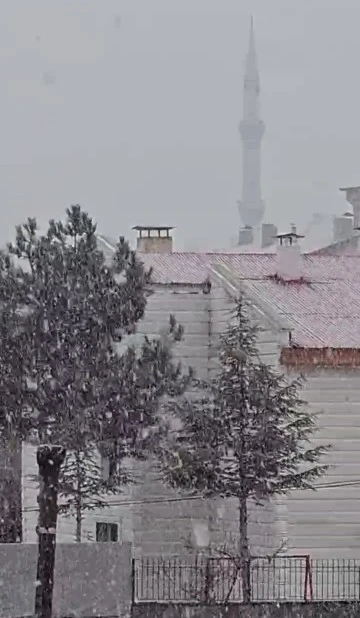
348,246
106,245
323,311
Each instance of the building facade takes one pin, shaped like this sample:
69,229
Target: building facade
309,318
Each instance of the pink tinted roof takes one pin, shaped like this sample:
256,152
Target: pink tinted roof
323,312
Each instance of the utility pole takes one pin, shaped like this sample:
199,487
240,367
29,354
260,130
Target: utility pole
49,459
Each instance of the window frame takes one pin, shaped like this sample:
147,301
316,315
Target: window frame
112,531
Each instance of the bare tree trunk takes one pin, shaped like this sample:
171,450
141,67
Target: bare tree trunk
78,503
244,550
243,511
49,459
113,462
78,523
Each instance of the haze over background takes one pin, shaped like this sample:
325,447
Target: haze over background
131,108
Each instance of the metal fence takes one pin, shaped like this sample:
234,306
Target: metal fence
218,580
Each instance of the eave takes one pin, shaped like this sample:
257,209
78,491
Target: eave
306,358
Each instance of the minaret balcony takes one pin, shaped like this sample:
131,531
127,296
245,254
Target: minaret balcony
252,84
252,131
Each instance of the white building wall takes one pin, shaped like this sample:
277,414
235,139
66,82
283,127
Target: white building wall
326,523
191,309
164,522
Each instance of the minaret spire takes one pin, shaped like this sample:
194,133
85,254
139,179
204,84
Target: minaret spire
251,68
252,129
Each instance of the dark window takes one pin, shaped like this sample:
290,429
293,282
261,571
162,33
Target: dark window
106,532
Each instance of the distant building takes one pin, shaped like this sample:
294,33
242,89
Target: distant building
346,230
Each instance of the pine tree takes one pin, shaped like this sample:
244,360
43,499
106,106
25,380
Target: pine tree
13,418
246,435
64,312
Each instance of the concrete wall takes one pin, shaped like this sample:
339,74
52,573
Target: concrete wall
90,580
326,523
266,610
154,244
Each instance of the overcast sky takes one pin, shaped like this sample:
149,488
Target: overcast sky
131,108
